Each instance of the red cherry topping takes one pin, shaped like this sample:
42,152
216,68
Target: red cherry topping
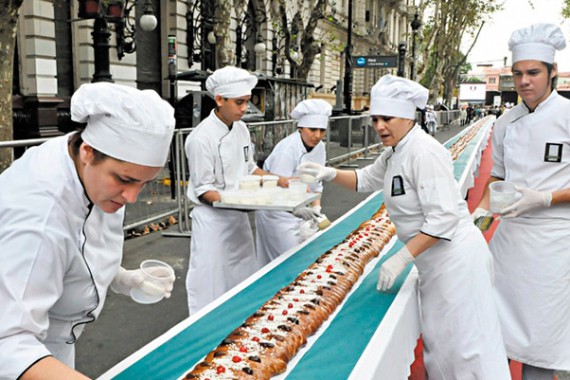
236,359
243,349
220,369
270,317
285,312
290,306
302,291
255,339
264,330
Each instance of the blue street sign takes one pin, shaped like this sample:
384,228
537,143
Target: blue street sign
376,61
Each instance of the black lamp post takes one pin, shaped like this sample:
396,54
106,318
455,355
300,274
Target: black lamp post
402,47
415,26
348,64
101,34
117,12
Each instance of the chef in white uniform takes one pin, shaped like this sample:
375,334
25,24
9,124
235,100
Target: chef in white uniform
61,218
460,326
531,246
277,231
219,153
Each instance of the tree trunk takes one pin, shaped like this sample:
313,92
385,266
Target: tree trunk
8,25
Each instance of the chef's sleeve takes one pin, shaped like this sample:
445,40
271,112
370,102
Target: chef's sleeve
201,165
283,163
437,193
371,178
31,282
498,169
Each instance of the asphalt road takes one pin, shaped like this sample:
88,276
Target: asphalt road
125,326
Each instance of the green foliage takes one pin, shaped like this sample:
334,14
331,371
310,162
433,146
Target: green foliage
566,10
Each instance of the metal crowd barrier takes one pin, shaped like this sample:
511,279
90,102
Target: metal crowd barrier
348,138
154,204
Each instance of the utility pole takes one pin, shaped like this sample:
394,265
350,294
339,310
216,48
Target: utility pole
415,26
402,59
348,64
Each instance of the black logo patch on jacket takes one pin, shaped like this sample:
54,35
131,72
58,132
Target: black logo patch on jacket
245,153
398,186
553,152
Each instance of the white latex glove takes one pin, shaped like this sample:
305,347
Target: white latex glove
530,200
306,213
320,172
126,280
479,212
392,268
306,229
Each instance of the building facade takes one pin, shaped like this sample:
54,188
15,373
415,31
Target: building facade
57,51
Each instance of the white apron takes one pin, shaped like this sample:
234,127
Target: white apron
532,251
222,252
277,231
460,326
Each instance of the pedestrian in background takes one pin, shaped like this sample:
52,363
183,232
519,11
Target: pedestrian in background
460,326
531,246
61,225
219,152
277,231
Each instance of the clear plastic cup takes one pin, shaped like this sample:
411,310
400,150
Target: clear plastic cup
269,181
297,189
503,194
250,182
157,274
307,178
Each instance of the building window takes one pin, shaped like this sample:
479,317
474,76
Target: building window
492,80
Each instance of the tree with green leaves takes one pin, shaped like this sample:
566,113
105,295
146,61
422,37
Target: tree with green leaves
296,23
449,22
9,10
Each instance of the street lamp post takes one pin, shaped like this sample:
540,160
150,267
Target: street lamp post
402,47
348,64
102,14
101,34
415,26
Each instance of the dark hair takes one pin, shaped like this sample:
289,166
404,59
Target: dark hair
549,68
75,142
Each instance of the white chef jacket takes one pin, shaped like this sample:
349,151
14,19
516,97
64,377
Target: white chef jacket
222,252
460,326
58,255
532,251
277,231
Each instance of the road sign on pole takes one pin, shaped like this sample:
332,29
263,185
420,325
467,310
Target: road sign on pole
375,61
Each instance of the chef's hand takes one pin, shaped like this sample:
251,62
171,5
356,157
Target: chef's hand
306,229
306,213
320,172
479,212
126,280
530,200
392,268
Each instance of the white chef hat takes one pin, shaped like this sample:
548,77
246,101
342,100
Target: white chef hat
125,123
312,113
397,97
537,42
231,82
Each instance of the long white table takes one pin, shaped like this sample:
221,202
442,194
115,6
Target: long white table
371,335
